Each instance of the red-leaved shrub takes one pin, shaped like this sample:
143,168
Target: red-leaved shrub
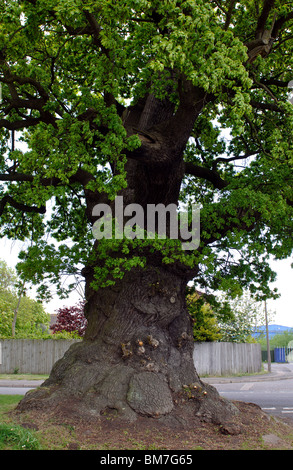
70,319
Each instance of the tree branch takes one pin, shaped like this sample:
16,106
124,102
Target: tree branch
20,123
192,101
280,23
275,82
264,38
19,206
229,13
18,103
267,7
231,159
11,78
210,175
266,106
81,176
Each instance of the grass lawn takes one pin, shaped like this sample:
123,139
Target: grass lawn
14,436
23,377
18,435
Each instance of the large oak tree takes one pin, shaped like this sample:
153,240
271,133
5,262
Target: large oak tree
158,102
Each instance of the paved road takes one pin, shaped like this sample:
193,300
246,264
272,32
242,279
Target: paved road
14,390
273,392
275,398
17,387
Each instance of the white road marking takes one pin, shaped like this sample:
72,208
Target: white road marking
247,386
286,409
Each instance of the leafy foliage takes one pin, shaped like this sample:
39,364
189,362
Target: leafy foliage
70,319
32,319
205,326
6,316
8,278
220,318
75,75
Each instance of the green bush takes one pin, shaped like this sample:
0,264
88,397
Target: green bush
205,326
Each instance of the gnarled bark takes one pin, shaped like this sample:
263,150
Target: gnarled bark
136,358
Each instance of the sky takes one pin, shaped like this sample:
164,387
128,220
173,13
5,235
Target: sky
283,307
284,283
9,252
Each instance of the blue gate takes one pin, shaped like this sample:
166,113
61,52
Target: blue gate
280,354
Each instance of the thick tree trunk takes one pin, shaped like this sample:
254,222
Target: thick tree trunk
136,358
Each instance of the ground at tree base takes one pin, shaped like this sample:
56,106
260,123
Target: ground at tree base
252,429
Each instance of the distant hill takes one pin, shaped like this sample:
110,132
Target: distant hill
273,330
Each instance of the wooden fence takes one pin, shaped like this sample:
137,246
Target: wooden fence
227,358
26,356
31,356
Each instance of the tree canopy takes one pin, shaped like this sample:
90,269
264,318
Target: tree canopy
75,76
